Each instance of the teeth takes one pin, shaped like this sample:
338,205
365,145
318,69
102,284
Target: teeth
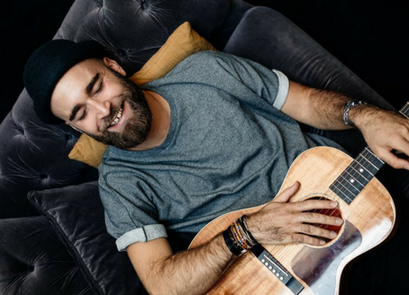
117,118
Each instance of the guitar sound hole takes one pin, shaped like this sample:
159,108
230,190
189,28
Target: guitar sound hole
329,212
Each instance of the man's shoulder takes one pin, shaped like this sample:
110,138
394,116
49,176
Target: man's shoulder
113,157
208,56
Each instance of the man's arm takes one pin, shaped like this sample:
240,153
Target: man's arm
384,131
189,272
196,270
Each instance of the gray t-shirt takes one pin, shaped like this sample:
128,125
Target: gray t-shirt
228,148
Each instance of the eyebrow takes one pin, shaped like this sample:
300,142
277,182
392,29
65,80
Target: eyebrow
74,112
91,84
88,90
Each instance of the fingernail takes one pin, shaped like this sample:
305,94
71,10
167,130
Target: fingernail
322,242
333,234
339,221
334,204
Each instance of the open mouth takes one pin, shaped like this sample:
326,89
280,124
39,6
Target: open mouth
116,118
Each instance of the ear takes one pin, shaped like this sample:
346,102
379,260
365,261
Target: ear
114,65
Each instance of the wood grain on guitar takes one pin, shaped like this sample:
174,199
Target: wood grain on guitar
365,205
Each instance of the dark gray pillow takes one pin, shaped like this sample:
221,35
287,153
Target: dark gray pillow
77,215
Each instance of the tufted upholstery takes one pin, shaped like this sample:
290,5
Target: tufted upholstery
34,156
122,25
132,31
22,270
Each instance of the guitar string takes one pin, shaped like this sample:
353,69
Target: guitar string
364,162
362,156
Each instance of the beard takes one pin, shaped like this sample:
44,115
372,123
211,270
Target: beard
137,127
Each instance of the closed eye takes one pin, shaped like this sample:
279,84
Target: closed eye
99,88
84,114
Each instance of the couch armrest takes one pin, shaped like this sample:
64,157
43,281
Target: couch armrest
266,36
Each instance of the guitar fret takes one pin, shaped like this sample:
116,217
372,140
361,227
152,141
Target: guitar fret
342,194
350,184
356,176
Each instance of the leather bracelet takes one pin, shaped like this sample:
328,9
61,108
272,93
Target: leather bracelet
349,106
231,244
249,237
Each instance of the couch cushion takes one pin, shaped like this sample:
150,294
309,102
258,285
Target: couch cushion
77,215
34,156
34,261
134,30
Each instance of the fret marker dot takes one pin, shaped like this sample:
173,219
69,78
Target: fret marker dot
361,170
352,180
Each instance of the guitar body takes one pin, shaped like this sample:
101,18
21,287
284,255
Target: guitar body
369,219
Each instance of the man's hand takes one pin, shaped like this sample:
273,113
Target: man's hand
384,132
283,222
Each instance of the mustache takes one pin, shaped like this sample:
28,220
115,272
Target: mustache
112,115
126,96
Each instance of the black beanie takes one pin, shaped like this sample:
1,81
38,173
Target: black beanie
48,64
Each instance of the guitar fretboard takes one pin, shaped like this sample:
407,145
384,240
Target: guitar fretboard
357,175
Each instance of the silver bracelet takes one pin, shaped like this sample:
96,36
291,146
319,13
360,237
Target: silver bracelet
349,106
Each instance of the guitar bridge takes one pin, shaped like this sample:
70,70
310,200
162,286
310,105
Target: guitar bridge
277,269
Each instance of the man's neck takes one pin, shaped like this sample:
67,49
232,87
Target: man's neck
160,121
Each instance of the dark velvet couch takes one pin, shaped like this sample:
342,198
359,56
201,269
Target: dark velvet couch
52,235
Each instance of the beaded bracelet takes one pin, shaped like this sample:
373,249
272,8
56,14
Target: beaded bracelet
249,237
238,238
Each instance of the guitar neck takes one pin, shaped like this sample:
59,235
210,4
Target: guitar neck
362,169
357,175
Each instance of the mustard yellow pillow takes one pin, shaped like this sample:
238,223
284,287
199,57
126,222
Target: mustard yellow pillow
184,41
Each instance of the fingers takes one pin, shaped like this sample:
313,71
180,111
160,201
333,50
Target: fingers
283,222
392,133
309,228
393,160
286,195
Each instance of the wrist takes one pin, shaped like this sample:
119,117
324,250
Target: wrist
238,238
349,108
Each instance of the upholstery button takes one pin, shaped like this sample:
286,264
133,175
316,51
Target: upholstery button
143,3
122,52
31,268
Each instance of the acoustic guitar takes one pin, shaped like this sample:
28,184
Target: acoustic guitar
365,206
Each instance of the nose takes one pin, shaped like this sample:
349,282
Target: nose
101,108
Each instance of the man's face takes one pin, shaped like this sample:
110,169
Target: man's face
102,103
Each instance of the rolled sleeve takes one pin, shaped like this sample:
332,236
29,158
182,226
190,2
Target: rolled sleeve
283,87
142,234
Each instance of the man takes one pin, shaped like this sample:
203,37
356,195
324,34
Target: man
216,134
